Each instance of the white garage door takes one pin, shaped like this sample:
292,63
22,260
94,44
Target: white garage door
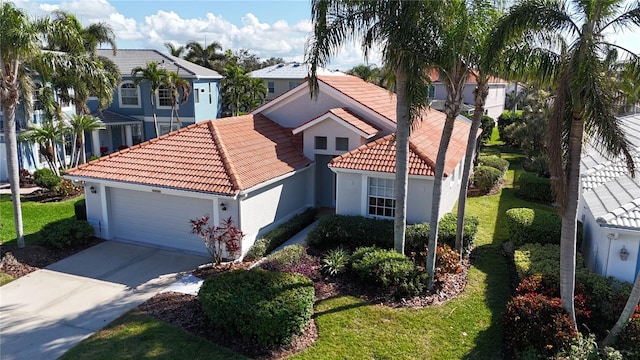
156,219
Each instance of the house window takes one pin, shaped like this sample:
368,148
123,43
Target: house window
37,105
196,95
129,95
321,143
136,132
380,195
165,129
164,96
431,92
63,99
271,86
293,84
342,144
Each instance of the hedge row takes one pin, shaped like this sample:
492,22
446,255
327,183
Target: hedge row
495,162
533,187
486,177
67,233
533,226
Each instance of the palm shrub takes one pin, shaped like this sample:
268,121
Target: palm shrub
334,262
486,177
268,308
67,233
46,178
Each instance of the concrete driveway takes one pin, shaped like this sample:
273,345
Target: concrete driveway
44,314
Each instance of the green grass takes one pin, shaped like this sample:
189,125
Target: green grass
5,278
34,216
468,327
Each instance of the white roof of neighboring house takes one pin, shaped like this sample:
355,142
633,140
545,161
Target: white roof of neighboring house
127,59
292,70
616,202
593,158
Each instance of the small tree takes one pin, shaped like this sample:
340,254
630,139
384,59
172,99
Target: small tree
216,236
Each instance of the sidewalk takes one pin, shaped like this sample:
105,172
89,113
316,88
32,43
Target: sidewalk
5,188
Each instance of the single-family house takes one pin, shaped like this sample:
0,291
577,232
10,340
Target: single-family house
262,168
280,78
494,104
610,209
129,118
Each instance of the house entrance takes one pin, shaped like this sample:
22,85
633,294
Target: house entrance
325,182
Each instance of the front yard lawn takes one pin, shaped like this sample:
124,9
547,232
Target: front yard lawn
468,327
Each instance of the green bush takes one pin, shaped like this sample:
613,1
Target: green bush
533,226
351,232
538,164
447,231
80,209
269,308
487,125
507,118
543,259
334,262
289,255
486,177
416,238
533,187
45,178
280,234
67,233
389,270
495,162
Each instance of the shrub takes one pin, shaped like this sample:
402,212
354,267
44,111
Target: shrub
486,177
487,125
629,337
281,234
351,232
537,322
25,177
447,260
80,209
215,237
495,162
67,233
335,262
416,238
533,187
292,259
586,348
447,231
66,188
389,270
533,226
538,164
544,259
507,118
45,178
269,308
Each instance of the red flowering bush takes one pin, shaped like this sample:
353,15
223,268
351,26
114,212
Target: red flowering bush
215,237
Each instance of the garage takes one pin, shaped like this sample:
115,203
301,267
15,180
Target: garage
156,219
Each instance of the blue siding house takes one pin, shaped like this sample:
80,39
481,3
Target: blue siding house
129,119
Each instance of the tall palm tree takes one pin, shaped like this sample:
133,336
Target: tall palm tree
19,43
156,77
206,55
179,88
406,32
584,95
80,124
173,50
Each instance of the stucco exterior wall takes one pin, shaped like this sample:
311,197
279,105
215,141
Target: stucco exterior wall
330,129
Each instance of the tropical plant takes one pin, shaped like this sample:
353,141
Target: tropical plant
406,32
178,88
565,43
79,124
207,55
369,73
156,77
173,50
240,92
219,240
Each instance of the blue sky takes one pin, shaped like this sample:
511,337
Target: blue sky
266,28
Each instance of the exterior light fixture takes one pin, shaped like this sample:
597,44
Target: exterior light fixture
624,253
93,190
223,206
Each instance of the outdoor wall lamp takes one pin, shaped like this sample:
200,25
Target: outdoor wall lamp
624,253
223,206
93,190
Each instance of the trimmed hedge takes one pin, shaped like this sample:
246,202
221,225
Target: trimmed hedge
280,234
487,125
67,233
352,232
45,178
533,187
80,209
543,259
293,259
533,226
495,162
270,308
486,177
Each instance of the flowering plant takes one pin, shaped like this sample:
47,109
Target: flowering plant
215,237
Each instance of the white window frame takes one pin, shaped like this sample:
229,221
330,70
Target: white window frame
122,105
271,87
380,198
162,89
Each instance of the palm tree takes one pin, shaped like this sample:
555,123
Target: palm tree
178,87
156,77
240,92
19,43
173,50
406,32
584,96
206,56
80,124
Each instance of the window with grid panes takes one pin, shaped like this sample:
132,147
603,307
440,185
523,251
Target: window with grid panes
380,195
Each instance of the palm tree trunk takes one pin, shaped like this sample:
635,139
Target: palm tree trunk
569,220
155,118
403,131
83,151
74,150
627,312
11,144
480,93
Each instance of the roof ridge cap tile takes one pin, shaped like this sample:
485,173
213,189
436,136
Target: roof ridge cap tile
228,165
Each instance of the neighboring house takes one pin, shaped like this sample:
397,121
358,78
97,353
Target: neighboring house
263,168
610,210
281,78
29,156
494,104
129,118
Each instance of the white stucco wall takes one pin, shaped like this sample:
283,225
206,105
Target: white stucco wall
269,206
330,129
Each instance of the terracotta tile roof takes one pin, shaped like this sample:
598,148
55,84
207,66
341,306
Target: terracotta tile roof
379,100
219,156
379,155
345,115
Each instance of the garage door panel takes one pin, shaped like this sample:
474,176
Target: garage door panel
156,219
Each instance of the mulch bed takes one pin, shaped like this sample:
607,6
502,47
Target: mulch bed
45,196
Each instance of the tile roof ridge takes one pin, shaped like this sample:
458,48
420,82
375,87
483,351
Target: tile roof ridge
227,163
351,77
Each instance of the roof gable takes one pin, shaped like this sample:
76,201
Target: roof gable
346,118
223,156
